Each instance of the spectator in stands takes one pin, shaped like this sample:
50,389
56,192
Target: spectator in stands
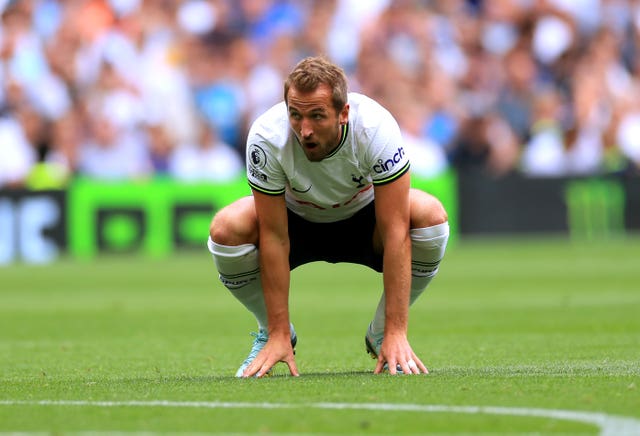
159,146
167,61
109,153
17,155
543,153
624,155
208,158
60,162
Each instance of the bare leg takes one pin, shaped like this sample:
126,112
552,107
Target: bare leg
429,234
236,224
233,238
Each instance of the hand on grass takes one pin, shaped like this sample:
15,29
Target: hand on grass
396,352
275,350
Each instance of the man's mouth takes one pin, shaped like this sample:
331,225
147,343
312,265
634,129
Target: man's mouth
310,144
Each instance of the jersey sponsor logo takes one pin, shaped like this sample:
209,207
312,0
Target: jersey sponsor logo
257,174
387,165
257,156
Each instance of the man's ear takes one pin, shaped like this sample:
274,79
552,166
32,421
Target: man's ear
344,114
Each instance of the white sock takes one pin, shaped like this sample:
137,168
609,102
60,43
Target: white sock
239,272
428,245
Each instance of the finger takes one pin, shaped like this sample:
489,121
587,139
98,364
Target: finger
264,369
253,367
393,370
413,367
259,367
406,368
379,366
293,368
422,367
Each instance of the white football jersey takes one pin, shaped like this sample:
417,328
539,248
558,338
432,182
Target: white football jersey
370,153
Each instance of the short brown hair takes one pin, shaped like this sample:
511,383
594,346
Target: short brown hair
311,72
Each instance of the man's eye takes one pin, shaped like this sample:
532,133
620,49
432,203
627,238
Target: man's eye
295,116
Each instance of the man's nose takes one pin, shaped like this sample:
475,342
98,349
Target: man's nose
305,128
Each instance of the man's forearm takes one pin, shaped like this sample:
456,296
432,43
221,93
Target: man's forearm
397,283
274,267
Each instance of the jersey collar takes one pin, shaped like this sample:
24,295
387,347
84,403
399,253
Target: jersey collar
343,139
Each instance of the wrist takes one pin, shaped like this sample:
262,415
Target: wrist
395,328
280,328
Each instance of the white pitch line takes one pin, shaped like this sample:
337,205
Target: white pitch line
609,425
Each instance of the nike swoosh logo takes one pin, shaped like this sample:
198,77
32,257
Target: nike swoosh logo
300,190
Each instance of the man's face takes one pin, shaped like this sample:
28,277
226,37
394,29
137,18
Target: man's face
315,121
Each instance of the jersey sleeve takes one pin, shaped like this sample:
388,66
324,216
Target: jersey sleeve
264,172
388,159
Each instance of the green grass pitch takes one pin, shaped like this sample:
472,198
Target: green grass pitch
521,336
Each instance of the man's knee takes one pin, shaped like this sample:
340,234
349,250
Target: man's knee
219,229
235,224
426,210
438,214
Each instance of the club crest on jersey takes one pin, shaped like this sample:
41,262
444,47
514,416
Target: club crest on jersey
384,166
357,180
257,156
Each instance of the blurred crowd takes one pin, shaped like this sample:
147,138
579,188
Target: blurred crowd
128,89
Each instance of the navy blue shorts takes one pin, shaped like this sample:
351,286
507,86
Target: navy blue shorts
349,240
